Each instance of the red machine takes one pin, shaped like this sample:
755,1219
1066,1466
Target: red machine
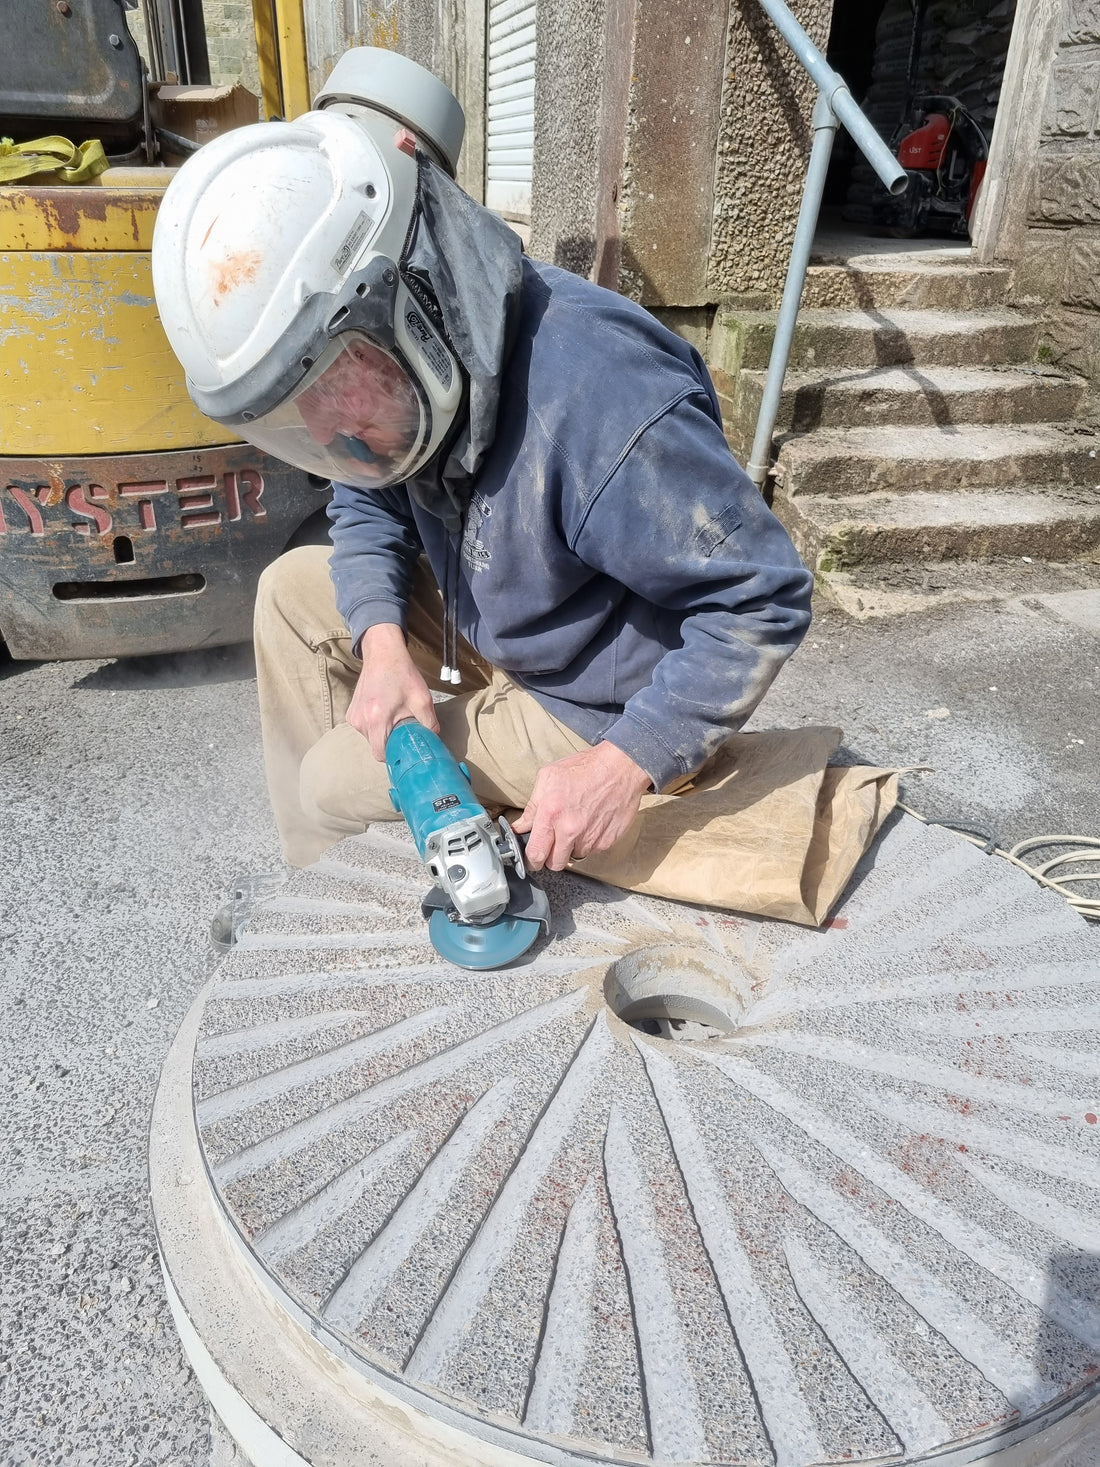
945,158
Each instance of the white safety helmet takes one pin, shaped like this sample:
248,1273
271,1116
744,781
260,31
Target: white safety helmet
276,267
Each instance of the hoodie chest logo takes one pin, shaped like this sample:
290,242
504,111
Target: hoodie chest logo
474,552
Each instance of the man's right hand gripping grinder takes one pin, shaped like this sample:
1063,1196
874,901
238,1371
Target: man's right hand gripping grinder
484,911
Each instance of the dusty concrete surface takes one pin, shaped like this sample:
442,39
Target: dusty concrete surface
132,794
1000,699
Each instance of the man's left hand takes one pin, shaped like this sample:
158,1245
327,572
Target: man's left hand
580,805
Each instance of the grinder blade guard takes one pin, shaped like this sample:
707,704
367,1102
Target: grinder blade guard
484,911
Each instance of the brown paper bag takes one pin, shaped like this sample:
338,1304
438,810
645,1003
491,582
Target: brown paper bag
769,828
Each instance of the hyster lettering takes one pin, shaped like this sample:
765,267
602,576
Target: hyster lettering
189,503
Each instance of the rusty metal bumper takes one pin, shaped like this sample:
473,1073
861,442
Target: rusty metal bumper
119,555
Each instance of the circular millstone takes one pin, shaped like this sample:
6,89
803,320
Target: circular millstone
839,1203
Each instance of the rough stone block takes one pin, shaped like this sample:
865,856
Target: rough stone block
690,322
672,130
1072,99
1066,191
1041,267
764,142
1083,25
568,120
1073,342
1082,287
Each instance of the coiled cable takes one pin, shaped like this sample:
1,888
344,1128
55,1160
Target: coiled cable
1084,850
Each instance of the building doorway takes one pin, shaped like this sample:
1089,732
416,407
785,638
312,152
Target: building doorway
893,53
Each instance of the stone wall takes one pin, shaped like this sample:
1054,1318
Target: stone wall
670,146
763,148
230,42
569,61
1060,262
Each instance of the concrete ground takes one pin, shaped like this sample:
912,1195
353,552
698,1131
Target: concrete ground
1002,700
131,795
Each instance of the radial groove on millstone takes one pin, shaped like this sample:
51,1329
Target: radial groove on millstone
297,1228
966,1134
1001,1365
672,1405
865,1058
1080,1230
1060,1059
863,1225
564,1344
314,1127
966,1236
312,907
376,1265
912,1417
498,1233
264,1036
278,1082
798,1000
786,1418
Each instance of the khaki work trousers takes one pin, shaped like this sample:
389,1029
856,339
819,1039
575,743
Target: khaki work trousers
767,827
324,781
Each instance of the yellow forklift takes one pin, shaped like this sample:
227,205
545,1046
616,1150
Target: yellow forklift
129,523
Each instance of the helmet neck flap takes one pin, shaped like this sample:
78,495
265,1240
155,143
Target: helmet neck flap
471,264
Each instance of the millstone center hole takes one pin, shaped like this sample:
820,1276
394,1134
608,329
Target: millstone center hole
676,992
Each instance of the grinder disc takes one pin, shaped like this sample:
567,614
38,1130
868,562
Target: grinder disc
492,946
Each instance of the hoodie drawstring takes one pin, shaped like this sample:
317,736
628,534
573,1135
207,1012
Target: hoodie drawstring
448,672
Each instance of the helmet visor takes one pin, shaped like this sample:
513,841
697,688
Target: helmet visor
358,417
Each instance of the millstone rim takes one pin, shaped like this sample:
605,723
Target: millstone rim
838,1266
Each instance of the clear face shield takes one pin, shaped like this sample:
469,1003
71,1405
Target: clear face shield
358,417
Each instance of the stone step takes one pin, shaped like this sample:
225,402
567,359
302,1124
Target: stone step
827,338
1069,591
872,461
882,282
839,532
913,396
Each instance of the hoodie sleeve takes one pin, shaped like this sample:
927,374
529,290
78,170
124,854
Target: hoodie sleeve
375,547
679,522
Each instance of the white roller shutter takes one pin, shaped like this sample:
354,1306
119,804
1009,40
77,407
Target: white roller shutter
510,106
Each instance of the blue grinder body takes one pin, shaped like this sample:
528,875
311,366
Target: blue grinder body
427,783
483,912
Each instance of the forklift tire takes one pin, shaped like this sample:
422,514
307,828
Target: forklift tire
312,531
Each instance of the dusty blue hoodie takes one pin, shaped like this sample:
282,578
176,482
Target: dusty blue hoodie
614,558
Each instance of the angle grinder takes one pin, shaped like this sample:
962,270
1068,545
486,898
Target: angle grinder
484,910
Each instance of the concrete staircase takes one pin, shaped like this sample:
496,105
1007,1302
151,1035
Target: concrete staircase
925,449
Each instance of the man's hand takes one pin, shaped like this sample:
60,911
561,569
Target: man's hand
389,689
580,805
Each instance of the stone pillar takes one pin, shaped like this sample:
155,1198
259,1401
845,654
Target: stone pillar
628,100
671,143
1058,260
672,131
570,130
763,148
